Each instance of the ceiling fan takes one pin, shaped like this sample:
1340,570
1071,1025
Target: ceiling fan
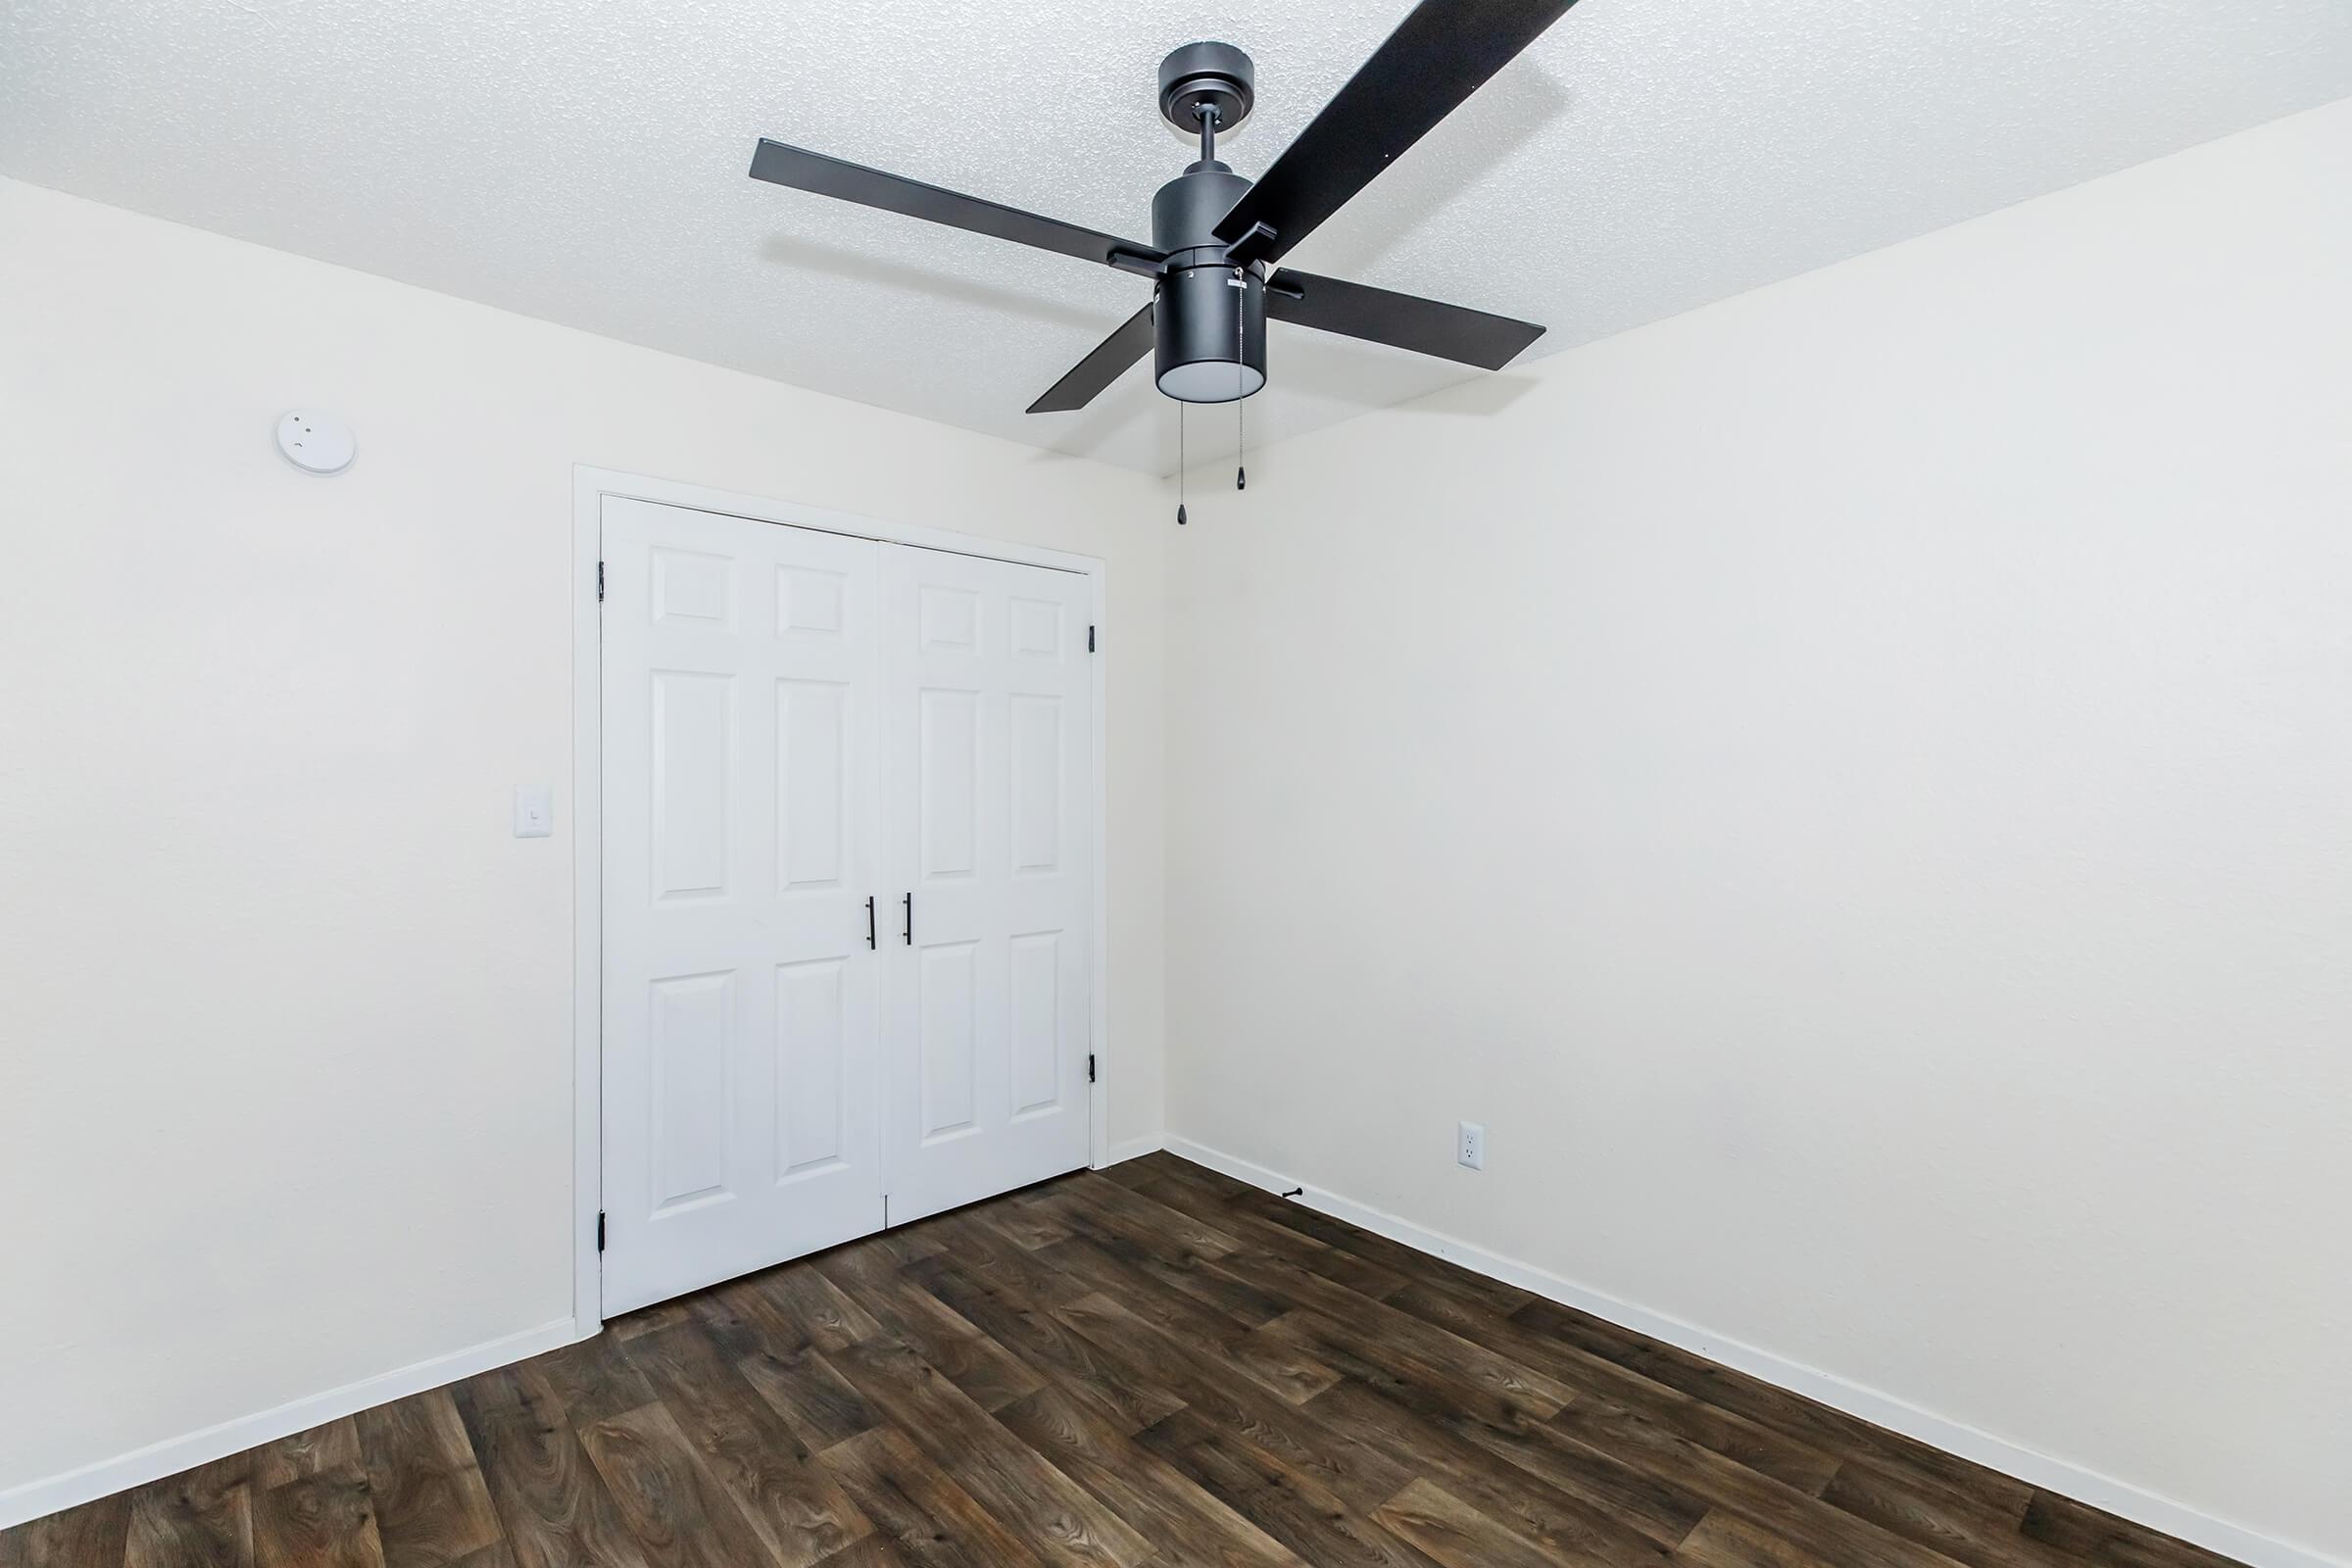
1217,237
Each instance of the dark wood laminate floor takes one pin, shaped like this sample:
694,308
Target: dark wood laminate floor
1152,1365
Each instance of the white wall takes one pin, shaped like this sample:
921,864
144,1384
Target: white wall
1853,787
285,1013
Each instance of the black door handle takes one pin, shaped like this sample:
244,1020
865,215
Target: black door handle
869,922
910,919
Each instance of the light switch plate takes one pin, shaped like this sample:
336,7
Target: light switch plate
534,812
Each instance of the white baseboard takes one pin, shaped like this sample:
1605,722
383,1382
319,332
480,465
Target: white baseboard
1133,1149
35,1499
1883,1410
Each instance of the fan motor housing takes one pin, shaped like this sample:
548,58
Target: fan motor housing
1185,211
1208,326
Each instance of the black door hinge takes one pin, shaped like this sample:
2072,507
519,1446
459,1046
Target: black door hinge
600,1230
600,582
1089,1066
1090,639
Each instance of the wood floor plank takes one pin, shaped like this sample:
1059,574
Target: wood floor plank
874,1552
1394,1259
744,1321
333,1445
898,1248
1726,1541
1285,1502
2092,1536
498,1555
1178,1297
1268,1223
1127,1172
979,1248
1230,1293
983,1369
816,1402
94,1534
200,1518
645,1320
1433,1345
1284,1360
1061,1520
1794,1516
817,1308
1255,1225
550,1501
1107,1206
1210,1191
1451,1531
669,1503
595,1378
1029,1219
793,1503
1163,1505
1573,1503
1029,1329
1197,1308
322,1519
1932,1516
1759,1447
1435,1387
1217,1394
433,1506
1782,1411
919,1509
783,1311
1442,1274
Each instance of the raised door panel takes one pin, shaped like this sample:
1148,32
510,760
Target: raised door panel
816,1058
1034,1041
813,805
947,1008
947,782
691,1017
692,745
987,748
740,692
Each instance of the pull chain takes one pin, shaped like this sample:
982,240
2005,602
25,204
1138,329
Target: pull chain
1180,464
1241,377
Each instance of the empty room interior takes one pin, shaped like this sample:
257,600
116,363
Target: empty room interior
1362,784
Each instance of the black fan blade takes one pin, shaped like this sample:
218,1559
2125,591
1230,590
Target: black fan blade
1437,58
1106,365
1407,321
802,169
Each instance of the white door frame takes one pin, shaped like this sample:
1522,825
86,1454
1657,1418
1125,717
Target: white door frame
589,487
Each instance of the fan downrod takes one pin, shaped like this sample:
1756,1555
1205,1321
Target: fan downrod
1204,77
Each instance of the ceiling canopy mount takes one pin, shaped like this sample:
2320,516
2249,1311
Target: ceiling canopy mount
1211,82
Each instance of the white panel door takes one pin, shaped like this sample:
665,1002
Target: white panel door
987,761
741,1017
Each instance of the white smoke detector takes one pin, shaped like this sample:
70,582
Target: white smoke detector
315,443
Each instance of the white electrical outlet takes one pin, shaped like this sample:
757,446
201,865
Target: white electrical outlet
1470,1145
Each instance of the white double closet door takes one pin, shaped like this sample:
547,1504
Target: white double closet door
796,722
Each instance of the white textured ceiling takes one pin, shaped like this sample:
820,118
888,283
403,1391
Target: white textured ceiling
585,161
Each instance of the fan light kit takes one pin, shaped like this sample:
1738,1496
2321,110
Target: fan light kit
1217,236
